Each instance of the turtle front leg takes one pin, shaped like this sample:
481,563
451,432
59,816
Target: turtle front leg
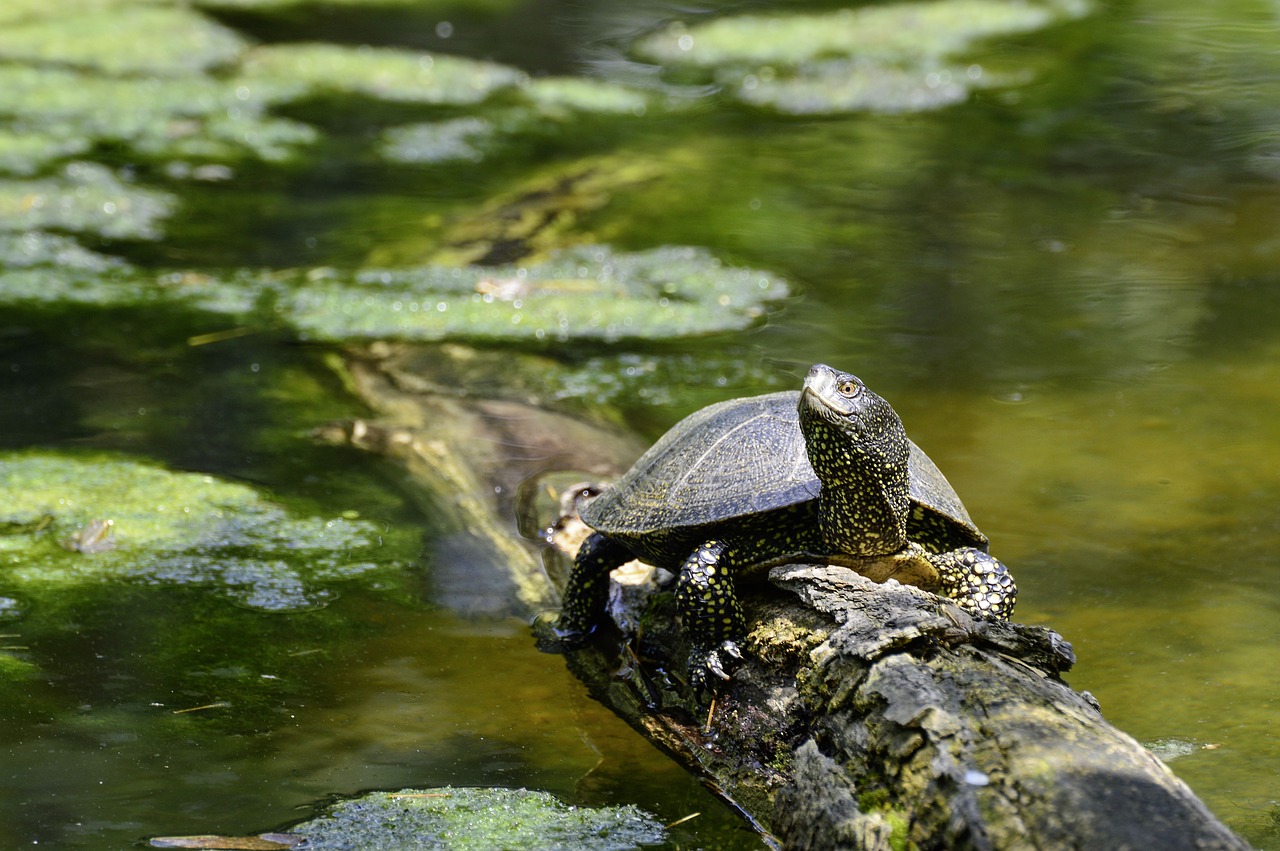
712,616
588,586
977,581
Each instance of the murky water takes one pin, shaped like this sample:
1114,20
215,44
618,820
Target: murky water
1070,290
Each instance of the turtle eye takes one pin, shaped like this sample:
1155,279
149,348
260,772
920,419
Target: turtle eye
848,388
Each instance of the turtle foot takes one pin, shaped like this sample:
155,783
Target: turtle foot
978,582
710,669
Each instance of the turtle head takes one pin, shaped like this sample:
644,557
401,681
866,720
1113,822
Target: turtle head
859,450
840,402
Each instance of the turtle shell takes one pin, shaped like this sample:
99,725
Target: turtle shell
742,457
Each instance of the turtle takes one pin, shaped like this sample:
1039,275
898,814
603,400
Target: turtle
826,474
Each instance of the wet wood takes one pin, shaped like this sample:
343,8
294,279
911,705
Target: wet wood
867,715
468,461
864,716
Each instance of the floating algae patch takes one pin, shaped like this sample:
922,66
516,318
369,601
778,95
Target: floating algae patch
188,115
549,102
675,380
444,6
389,74
894,57
177,39
76,520
26,152
37,248
578,94
456,140
56,285
587,293
85,198
467,818
72,78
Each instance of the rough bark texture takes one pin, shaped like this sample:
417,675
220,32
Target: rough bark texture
868,716
864,716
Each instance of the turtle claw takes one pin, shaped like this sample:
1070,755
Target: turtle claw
714,666
710,668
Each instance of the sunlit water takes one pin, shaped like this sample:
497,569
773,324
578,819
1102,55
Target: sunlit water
1069,290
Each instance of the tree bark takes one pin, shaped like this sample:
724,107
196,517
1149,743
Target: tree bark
878,716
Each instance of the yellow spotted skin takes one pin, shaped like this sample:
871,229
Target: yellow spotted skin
737,488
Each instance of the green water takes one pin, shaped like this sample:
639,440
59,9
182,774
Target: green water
1069,288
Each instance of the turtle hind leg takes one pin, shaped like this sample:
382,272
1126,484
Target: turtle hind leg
713,618
977,581
588,587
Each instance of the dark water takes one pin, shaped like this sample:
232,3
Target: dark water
1069,288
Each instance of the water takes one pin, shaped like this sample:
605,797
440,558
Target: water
1068,289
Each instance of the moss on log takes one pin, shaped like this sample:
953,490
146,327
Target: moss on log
878,716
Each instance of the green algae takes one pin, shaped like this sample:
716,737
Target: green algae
475,818
85,198
494,6
14,668
890,58
587,293
26,152
68,86
458,139
847,86
562,95
52,285
582,294
893,32
169,528
36,248
546,103
164,117
302,70
178,40
677,380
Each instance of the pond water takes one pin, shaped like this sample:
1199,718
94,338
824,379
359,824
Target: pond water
1068,284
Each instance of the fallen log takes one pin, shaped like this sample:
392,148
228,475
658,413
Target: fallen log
864,716
877,716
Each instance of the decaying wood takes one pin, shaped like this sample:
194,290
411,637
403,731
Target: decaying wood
867,715
864,716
